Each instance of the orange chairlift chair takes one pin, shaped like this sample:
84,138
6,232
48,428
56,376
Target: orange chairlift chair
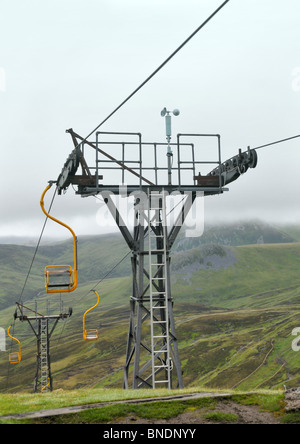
60,278
14,358
92,334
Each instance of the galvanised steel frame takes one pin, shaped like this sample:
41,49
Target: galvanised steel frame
40,324
151,301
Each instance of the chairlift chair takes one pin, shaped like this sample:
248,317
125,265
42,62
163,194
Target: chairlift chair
15,357
60,278
91,334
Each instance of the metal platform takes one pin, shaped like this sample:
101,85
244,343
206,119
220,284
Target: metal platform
139,165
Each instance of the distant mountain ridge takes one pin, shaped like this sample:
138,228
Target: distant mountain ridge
99,255
231,234
244,233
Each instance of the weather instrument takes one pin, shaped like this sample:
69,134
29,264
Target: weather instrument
168,118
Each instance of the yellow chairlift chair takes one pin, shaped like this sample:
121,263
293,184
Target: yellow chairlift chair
14,358
92,334
60,278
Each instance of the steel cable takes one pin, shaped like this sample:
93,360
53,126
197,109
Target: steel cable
158,69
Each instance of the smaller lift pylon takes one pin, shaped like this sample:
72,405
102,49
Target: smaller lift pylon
43,328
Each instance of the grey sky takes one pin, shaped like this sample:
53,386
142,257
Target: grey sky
69,63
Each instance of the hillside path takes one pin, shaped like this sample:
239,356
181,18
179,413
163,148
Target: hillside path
80,408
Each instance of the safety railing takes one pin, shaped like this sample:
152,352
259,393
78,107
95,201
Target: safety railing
130,161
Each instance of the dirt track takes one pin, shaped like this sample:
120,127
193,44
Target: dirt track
245,414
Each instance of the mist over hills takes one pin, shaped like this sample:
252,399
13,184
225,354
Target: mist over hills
243,233
235,233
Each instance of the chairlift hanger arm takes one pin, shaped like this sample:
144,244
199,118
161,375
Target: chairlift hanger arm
15,339
12,356
60,223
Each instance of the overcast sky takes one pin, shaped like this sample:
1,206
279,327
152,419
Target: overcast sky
69,63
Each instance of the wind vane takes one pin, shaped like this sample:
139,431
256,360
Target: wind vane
165,113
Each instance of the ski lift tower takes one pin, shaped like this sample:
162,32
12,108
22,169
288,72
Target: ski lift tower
121,166
43,327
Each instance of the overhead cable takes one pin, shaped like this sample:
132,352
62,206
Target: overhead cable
158,69
277,142
37,247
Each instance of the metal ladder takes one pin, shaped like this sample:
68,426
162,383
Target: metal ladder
158,280
44,355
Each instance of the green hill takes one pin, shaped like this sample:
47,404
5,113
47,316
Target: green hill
235,309
97,256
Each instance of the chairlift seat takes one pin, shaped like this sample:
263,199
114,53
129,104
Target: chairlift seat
59,278
14,358
91,335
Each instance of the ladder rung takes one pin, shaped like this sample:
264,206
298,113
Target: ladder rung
161,336
152,252
161,382
148,298
157,307
159,322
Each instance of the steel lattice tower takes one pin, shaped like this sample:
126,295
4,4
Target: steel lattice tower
152,357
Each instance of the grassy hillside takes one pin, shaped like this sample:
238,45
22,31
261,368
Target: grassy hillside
235,309
97,256
239,277
187,407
